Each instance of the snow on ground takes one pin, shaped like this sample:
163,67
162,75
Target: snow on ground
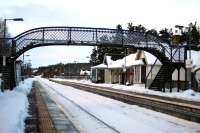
14,108
189,95
123,117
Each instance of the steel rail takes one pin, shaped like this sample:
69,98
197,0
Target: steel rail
81,108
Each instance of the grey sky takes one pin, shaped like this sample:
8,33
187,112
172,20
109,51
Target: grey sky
93,13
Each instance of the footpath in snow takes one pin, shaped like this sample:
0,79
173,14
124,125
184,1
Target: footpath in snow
14,108
189,95
121,116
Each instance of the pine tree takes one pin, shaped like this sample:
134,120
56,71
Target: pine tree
194,35
99,52
93,57
152,32
165,35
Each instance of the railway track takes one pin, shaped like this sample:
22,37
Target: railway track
105,125
178,108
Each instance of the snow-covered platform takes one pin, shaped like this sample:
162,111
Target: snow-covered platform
59,120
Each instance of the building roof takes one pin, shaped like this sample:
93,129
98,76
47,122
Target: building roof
127,61
100,66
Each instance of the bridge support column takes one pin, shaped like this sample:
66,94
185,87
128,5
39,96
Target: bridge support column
12,74
186,82
170,83
9,74
178,84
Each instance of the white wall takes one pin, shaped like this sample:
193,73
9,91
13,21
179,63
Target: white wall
182,74
107,76
197,76
154,72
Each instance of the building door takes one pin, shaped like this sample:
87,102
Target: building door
123,78
143,74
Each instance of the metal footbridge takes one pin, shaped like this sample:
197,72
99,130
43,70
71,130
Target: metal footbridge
170,56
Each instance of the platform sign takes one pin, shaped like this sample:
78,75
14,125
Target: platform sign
189,63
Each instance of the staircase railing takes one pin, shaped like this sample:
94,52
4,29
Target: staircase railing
177,52
150,73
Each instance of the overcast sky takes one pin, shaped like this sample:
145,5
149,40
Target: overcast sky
155,14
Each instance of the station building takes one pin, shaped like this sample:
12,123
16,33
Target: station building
136,68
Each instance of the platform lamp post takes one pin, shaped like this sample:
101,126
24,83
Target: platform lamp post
4,34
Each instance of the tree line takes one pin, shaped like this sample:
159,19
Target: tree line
70,69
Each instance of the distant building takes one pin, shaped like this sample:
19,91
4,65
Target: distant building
84,72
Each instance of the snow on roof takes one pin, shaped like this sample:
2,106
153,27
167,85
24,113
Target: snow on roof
109,61
102,66
151,59
127,61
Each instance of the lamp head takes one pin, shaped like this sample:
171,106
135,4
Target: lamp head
18,19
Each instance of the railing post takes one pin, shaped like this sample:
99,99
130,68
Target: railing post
122,37
146,39
43,30
13,50
69,35
171,53
185,58
96,36
163,50
179,56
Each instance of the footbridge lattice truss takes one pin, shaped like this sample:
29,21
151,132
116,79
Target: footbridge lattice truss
47,36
